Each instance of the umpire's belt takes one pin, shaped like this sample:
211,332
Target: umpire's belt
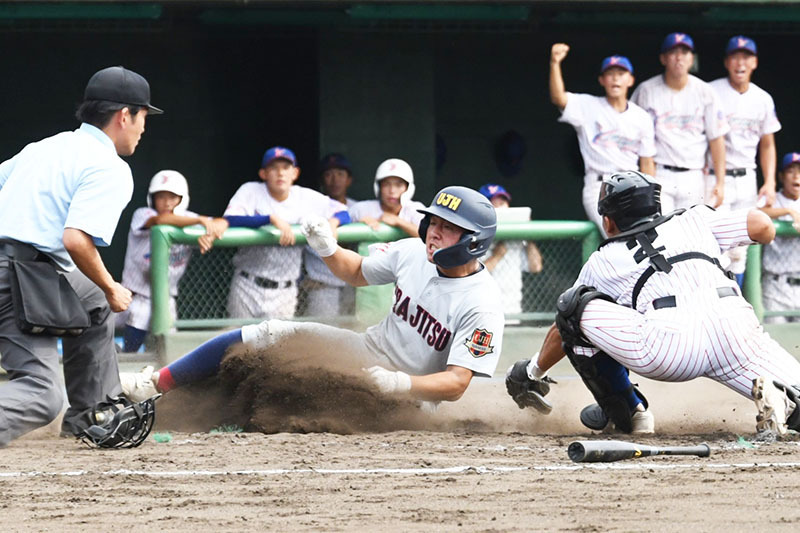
675,169
11,249
669,301
265,283
787,279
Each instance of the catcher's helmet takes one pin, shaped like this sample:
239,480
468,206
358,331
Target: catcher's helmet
629,198
469,210
172,181
120,423
397,168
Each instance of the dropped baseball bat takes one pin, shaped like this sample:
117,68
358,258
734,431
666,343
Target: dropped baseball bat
606,451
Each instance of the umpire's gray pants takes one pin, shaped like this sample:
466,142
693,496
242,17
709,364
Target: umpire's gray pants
33,397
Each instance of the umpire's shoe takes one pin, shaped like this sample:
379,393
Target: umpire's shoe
593,417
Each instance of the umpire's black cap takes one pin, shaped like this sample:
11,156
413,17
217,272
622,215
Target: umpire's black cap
122,86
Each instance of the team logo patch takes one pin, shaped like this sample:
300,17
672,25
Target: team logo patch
480,343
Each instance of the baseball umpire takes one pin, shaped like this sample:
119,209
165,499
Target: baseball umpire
445,326
654,299
69,189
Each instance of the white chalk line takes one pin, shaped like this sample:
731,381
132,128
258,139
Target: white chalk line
403,471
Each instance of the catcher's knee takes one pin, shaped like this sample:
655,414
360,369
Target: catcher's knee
610,386
569,310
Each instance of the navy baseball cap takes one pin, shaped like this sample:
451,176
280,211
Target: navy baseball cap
490,190
335,161
278,152
790,159
740,42
677,39
616,61
121,86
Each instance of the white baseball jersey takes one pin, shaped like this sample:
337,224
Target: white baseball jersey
277,263
782,256
609,141
703,334
751,116
435,321
372,208
508,274
136,272
684,120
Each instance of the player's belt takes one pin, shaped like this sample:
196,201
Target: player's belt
736,172
790,281
669,301
265,283
675,169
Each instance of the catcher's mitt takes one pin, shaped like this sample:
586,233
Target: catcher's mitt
528,392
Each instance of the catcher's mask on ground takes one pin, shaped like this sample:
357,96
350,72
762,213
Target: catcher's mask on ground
120,423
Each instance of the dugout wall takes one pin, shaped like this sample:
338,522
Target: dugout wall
435,82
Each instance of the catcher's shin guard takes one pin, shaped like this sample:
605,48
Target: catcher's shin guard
596,373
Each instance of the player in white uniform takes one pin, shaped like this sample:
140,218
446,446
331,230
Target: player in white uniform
613,133
445,326
394,204
654,299
780,275
689,122
507,260
750,112
167,203
264,282
327,295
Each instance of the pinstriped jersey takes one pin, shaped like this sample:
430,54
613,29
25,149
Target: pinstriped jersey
609,141
614,269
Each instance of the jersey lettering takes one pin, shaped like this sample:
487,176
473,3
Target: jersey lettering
428,327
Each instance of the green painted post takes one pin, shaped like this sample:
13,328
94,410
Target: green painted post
752,280
160,242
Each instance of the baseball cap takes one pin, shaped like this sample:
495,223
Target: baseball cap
616,61
122,86
334,161
740,42
278,152
789,159
490,190
677,39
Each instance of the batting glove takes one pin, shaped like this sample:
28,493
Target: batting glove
319,235
389,382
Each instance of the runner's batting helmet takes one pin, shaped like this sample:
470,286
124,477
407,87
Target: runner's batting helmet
120,423
629,198
469,210
172,181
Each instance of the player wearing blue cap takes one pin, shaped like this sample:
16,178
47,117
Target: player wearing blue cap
613,133
751,114
689,122
264,283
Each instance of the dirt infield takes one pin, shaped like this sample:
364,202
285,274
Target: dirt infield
479,464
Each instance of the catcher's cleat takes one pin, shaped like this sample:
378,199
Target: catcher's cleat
139,386
773,406
593,417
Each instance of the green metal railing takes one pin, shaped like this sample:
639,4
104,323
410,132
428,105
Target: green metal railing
163,237
752,276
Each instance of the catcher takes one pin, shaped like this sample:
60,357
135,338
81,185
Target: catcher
654,299
445,326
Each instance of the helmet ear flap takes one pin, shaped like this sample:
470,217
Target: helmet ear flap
423,227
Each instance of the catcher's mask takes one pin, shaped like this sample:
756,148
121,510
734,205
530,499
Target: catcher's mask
120,423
